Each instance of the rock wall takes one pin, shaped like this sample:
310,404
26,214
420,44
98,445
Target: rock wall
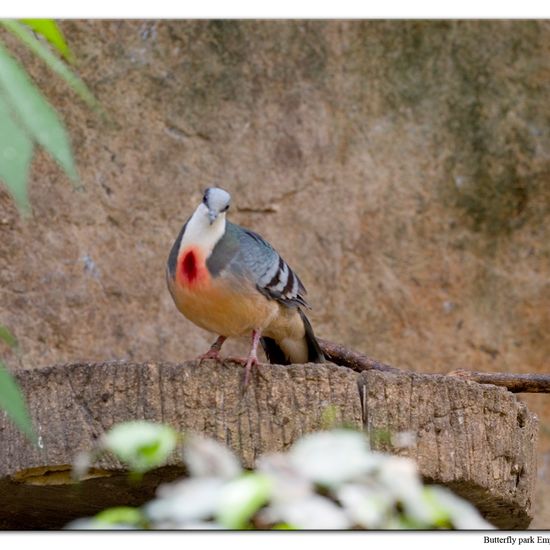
401,168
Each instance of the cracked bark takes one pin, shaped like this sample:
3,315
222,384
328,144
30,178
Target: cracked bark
477,439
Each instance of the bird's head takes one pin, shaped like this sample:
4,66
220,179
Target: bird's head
216,201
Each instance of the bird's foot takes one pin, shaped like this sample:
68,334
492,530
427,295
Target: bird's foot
214,351
252,356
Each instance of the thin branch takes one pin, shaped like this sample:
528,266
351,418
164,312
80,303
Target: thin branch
515,383
358,362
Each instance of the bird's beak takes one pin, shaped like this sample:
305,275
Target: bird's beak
212,215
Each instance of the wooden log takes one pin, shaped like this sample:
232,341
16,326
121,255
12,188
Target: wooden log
476,439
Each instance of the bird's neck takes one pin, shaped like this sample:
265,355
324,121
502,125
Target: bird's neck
201,233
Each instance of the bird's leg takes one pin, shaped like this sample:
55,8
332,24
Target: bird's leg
214,351
252,356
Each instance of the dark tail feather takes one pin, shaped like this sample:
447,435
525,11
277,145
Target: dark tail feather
277,356
314,353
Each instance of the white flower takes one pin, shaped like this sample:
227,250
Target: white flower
332,458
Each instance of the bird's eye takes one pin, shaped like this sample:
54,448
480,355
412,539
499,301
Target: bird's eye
225,209
205,198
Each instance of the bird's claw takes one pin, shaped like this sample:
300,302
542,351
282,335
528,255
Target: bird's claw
210,354
248,368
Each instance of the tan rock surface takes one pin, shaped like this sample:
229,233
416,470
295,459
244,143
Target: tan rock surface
400,167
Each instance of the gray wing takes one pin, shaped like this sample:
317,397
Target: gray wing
173,257
273,276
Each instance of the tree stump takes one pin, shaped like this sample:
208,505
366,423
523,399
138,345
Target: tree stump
479,440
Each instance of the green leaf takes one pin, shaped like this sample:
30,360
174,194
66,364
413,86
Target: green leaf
16,150
5,333
35,113
57,65
329,418
121,515
439,514
140,444
241,499
51,32
13,402
452,511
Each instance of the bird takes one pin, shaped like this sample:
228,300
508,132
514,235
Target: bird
230,281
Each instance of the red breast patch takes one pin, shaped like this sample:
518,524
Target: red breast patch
192,268
189,266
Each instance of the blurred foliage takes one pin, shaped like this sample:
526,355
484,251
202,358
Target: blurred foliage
54,62
26,117
50,31
26,120
327,480
122,515
11,398
7,337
